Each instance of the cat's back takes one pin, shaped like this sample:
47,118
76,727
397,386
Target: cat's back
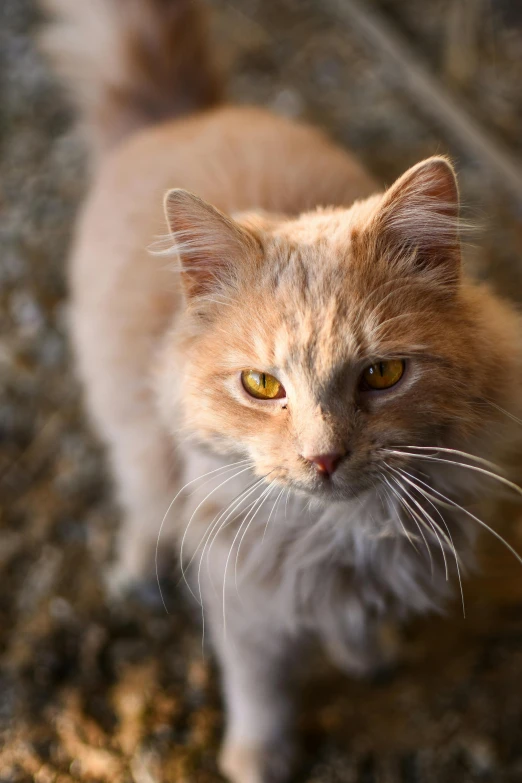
240,158
235,158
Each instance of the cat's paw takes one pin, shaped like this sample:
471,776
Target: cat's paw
243,763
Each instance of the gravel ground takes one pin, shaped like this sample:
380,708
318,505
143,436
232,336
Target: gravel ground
88,692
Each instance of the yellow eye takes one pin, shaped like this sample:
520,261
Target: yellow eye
383,375
262,385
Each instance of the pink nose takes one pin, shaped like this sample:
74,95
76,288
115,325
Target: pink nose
325,463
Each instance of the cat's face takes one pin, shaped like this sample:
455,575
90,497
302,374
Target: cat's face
313,345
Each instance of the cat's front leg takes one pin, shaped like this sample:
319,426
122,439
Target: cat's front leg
355,641
147,484
257,685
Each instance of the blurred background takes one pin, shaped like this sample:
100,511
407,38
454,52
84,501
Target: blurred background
91,693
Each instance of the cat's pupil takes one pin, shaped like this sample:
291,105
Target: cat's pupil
263,380
381,369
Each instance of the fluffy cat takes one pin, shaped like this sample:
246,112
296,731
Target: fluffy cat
302,375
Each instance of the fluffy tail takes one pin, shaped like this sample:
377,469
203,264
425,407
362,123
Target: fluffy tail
130,63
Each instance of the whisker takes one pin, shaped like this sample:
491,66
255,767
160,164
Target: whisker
225,519
405,505
226,512
430,522
410,284
405,531
236,502
472,516
222,469
274,507
504,411
438,449
225,572
230,478
408,280
413,478
214,301
188,484
427,523
382,324
404,474
475,468
264,496
286,501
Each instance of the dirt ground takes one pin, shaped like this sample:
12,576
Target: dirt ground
93,693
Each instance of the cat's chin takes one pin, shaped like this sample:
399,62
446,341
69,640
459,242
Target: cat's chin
327,491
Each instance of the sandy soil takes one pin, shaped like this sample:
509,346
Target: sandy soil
94,694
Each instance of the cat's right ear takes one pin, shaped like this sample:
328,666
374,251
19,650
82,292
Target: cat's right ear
418,221
210,245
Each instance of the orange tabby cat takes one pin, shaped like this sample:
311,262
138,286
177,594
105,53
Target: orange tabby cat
304,395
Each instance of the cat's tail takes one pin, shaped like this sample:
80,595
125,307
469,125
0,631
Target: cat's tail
130,63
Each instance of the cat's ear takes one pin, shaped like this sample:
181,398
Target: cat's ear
418,220
211,246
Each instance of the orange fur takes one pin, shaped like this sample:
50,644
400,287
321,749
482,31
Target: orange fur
291,262
129,63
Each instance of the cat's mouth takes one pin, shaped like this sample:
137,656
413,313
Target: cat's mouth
333,488
352,478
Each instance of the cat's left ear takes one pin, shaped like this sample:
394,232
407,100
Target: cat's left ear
211,246
418,220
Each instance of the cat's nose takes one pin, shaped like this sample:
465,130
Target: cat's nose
325,463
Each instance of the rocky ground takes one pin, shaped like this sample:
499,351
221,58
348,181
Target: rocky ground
91,693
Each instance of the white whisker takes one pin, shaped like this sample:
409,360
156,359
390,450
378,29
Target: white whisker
274,507
261,500
504,411
428,526
430,522
221,469
403,503
361,307
226,568
404,474
382,324
410,284
227,513
406,532
286,501
444,450
475,468
472,516
230,478
225,519
214,301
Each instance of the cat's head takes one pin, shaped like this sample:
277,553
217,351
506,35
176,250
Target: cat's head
313,344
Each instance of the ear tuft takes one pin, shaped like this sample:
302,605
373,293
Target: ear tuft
210,245
418,220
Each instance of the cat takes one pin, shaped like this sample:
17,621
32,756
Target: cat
299,388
